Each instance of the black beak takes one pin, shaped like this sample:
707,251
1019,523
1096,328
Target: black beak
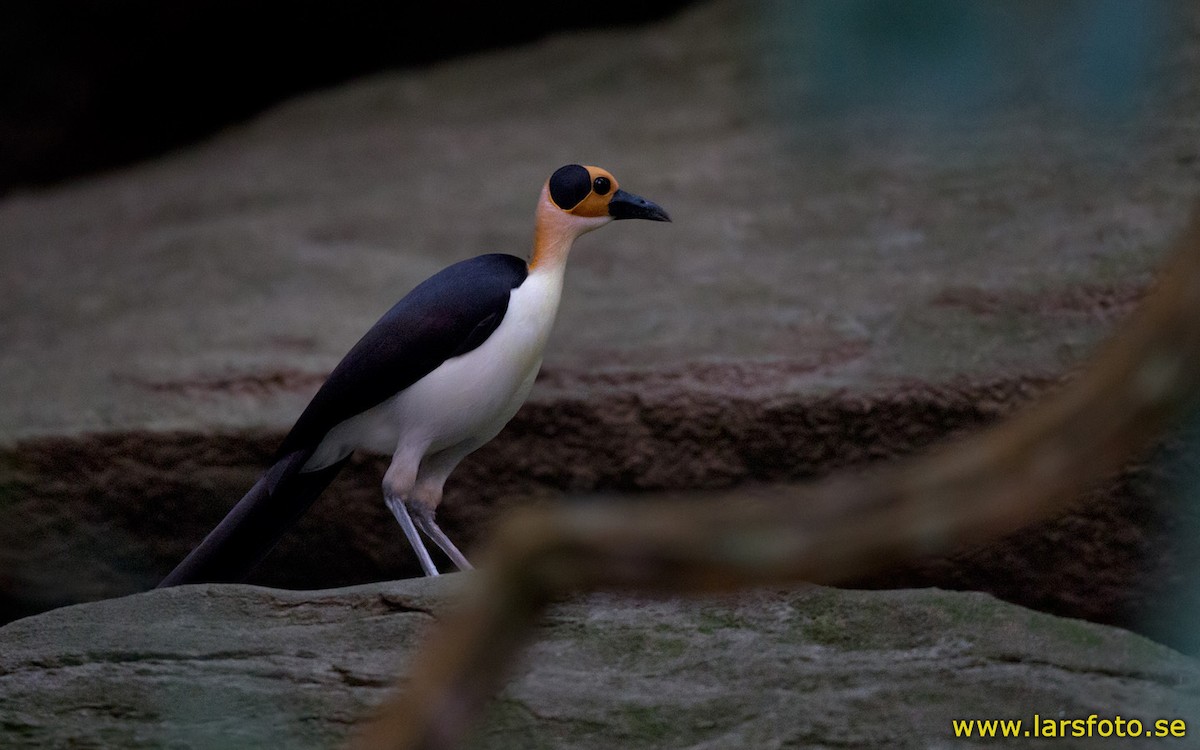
629,206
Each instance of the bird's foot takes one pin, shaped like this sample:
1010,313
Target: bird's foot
400,510
413,516
423,517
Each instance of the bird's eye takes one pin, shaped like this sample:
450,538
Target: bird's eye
602,185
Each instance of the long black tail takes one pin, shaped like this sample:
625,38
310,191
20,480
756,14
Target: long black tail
256,523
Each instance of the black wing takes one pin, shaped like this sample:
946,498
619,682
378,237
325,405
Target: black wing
448,314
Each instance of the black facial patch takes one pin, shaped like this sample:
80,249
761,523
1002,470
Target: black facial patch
569,185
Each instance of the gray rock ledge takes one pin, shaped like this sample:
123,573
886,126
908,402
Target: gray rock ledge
221,666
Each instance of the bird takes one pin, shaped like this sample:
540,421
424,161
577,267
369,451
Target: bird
438,376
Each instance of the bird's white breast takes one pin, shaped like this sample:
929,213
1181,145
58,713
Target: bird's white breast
467,398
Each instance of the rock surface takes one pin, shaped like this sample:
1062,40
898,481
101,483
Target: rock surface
247,667
842,284
214,288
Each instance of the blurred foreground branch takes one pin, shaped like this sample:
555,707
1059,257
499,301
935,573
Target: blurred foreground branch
1027,468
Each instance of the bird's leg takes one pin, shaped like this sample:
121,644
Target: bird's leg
427,495
400,511
398,484
424,521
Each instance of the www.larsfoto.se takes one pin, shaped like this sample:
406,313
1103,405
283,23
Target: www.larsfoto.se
1092,726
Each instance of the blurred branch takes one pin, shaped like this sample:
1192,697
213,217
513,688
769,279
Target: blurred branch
1025,469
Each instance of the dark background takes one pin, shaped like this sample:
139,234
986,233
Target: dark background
87,85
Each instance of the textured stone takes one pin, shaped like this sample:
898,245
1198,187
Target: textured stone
237,666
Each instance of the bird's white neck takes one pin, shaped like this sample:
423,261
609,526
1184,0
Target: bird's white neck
554,233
